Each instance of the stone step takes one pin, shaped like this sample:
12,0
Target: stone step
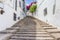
49,27
8,31
30,32
56,35
30,39
46,25
31,35
36,38
28,28
43,23
5,36
13,28
53,30
23,39
16,25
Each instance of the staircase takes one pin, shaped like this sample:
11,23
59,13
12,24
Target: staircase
30,28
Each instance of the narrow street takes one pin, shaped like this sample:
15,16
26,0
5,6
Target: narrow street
29,19
30,28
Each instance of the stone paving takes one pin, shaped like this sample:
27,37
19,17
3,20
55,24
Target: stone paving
30,28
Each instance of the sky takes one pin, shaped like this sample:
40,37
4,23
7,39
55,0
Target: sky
28,1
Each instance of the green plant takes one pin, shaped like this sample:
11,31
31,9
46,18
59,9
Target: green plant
33,8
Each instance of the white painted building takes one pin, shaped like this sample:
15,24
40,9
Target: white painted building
49,11
10,7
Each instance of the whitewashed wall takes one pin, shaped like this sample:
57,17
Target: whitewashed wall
40,9
6,20
56,18
49,18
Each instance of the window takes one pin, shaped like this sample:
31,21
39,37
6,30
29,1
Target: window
10,0
19,4
22,0
54,9
16,5
45,11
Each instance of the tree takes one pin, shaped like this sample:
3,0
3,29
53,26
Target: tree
33,8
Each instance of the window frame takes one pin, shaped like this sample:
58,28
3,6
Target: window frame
16,5
19,3
45,11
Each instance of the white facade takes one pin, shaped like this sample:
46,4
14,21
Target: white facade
6,19
50,17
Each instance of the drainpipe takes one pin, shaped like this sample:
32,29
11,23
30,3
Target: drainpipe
24,7
54,7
